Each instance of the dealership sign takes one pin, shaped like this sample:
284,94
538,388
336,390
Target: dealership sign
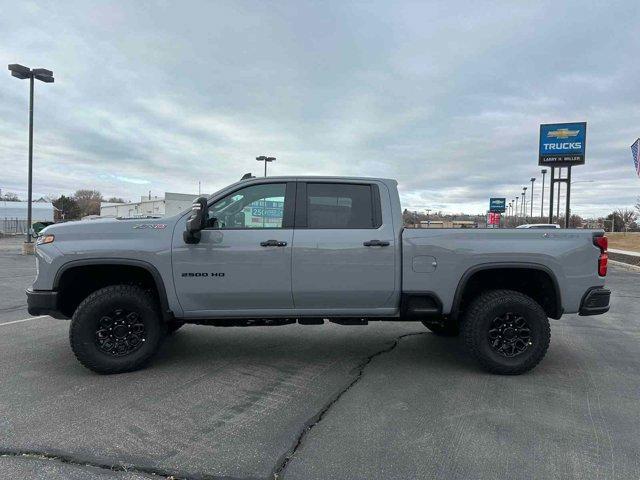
264,214
562,144
493,219
497,205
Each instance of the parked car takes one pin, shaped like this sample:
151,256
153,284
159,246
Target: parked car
37,227
273,251
538,225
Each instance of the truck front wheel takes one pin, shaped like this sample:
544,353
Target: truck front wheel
506,331
116,329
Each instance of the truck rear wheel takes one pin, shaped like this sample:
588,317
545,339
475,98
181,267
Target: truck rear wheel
447,328
506,331
116,329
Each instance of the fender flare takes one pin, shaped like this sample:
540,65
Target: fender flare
167,314
457,299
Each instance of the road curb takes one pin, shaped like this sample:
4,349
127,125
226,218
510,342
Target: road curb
628,266
630,258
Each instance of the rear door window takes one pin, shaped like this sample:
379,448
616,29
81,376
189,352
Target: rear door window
340,205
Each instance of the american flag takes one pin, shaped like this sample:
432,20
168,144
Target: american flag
635,151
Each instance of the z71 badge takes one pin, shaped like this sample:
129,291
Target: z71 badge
154,226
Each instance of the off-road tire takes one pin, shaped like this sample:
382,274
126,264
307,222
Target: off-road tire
479,317
85,324
173,326
448,328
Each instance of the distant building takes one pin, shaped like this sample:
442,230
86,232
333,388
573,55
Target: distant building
448,224
13,215
41,211
170,204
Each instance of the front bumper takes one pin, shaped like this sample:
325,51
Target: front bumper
43,302
595,301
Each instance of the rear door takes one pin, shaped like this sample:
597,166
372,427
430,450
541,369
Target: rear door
344,249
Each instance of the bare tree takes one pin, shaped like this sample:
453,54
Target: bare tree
627,216
88,202
10,197
575,221
115,200
66,208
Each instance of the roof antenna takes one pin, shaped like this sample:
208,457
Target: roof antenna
247,176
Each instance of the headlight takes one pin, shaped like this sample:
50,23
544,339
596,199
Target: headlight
44,239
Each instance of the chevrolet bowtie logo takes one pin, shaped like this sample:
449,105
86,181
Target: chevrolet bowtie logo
563,133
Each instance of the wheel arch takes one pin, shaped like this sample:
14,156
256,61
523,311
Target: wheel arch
552,306
124,263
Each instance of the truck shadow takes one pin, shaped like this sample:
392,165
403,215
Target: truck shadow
295,346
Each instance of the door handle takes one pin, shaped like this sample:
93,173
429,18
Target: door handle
376,243
273,243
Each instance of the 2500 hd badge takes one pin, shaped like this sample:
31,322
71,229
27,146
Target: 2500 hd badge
203,274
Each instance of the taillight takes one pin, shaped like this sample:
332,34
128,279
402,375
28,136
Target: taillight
602,243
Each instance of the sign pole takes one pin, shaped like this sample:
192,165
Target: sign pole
559,179
551,185
567,208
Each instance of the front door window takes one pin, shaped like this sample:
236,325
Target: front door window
256,206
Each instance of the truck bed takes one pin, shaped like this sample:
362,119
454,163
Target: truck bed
437,259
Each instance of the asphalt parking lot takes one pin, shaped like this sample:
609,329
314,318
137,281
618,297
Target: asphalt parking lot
388,400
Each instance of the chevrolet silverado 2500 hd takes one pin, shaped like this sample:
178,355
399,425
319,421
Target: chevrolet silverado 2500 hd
279,250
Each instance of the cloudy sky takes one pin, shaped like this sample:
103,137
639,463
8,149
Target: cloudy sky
447,97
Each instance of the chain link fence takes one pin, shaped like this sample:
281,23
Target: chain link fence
12,226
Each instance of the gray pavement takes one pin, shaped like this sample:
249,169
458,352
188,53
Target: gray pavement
16,273
328,402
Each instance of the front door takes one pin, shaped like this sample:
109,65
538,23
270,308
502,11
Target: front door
242,264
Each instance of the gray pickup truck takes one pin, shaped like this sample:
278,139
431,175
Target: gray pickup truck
280,250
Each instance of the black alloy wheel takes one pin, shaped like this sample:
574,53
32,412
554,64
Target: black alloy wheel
510,334
120,332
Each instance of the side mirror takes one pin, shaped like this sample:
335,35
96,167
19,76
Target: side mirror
196,221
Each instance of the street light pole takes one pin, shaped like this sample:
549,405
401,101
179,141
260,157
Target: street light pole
517,211
30,194
265,159
533,179
46,76
544,172
524,203
521,204
524,220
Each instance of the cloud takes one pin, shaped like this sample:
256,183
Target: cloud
135,181
445,97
